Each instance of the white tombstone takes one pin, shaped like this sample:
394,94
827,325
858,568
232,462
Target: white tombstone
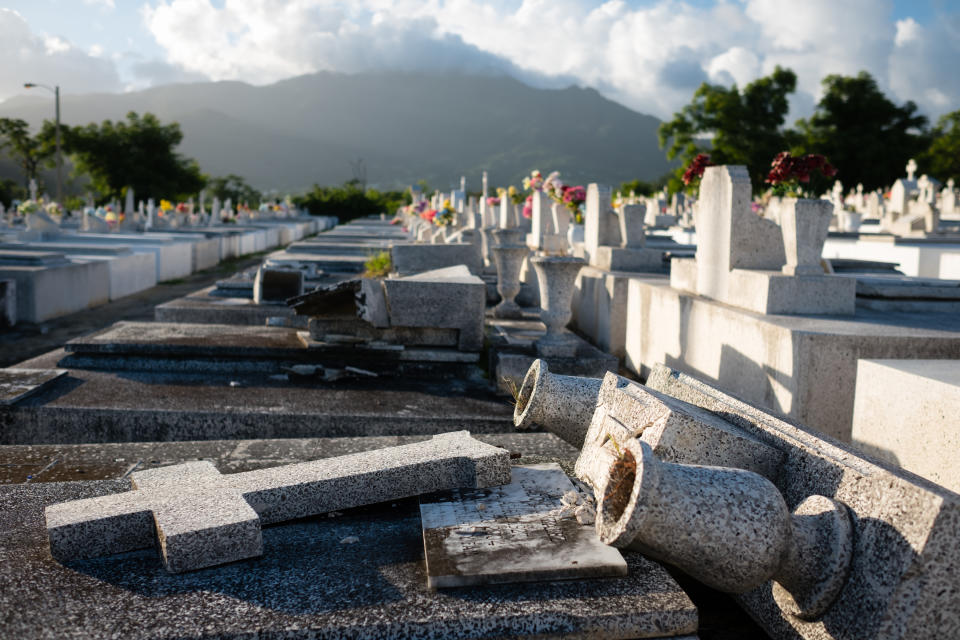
911,169
948,199
151,213
541,222
33,189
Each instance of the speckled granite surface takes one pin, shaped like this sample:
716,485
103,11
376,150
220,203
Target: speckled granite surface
307,584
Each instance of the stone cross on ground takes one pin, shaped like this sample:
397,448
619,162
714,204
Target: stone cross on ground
911,169
33,189
202,518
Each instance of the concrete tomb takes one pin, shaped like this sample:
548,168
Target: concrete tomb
750,262
203,518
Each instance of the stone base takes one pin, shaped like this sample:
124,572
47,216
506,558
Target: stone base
618,259
564,345
772,292
805,367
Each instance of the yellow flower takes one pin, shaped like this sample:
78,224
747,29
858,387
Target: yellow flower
512,191
166,205
501,191
446,204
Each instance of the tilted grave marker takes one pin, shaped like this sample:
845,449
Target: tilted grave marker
202,518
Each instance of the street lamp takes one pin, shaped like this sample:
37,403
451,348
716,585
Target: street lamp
56,95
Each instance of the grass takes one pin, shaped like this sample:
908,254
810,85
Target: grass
378,265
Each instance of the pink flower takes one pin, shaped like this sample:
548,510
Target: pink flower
493,201
528,207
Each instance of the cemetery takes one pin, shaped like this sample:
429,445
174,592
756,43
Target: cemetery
709,396
518,426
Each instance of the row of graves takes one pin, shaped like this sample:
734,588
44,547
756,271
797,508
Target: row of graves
521,426
54,263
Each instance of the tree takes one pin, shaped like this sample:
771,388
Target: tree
350,201
644,188
865,136
942,159
734,127
138,153
234,187
28,151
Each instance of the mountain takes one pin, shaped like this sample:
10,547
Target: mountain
405,127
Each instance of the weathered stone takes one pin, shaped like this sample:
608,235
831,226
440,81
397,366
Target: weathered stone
729,528
561,404
204,518
677,431
17,384
512,533
904,571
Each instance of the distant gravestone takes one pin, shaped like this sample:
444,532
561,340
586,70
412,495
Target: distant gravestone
512,533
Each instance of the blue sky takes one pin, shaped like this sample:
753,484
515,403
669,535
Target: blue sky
648,55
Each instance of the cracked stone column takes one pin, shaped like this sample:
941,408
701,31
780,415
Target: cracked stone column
563,405
728,528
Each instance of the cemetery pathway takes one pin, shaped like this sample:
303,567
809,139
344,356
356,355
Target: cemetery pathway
26,341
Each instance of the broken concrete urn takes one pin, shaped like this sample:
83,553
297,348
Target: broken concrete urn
804,224
563,405
556,277
509,259
728,528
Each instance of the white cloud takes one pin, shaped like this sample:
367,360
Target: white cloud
29,57
103,4
923,67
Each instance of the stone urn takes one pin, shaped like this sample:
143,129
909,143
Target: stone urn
556,276
508,236
728,528
509,259
804,224
563,405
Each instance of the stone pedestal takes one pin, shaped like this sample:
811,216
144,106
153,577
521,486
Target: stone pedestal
556,276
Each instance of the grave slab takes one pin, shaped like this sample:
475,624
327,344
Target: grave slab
308,583
512,533
17,384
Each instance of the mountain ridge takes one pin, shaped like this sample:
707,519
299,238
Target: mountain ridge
405,126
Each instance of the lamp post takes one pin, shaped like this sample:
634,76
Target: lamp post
56,94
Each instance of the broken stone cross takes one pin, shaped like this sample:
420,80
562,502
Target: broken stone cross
202,518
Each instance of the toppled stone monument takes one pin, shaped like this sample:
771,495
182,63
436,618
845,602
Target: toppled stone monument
201,518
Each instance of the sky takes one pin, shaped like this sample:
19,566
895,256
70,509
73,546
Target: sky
649,55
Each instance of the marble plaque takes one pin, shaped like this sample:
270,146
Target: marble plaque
17,384
511,533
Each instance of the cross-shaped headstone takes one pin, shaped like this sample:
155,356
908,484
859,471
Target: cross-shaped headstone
202,518
911,169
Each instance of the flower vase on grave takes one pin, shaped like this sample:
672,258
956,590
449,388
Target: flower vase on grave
804,224
509,259
556,277
575,234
